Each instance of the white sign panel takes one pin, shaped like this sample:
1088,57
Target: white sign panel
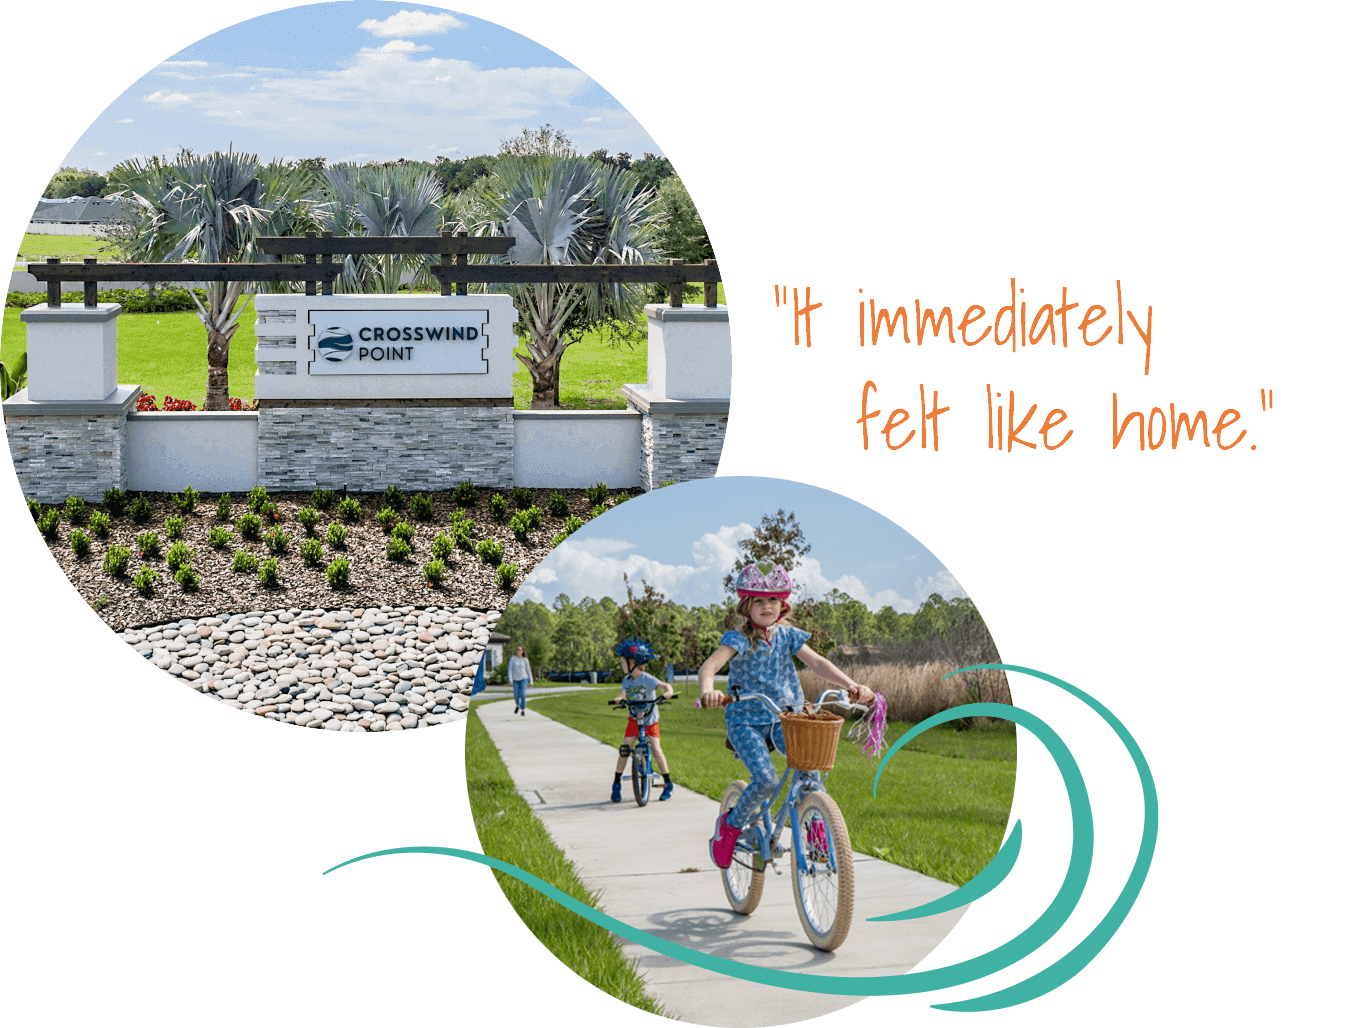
398,342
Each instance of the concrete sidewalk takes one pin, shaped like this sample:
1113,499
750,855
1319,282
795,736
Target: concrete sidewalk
652,870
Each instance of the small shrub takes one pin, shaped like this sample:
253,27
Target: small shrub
498,507
398,549
244,561
224,508
148,544
187,579
77,511
178,555
48,524
174,526
219,537
490,551
505,575
250,527
80,542
307,517
100,523
339,573
521,497
336,536
145,580
349,509
187,500
596,511
404,531
270,513
277,541
115,560
102,603
35,509
597,493
140,510
465,494
257,498
322,498
621,498
463,535
311,550
525,521
393,497
115,500
422,507
668,481
387,518
557,505
269,573
533,517
442,546
570,525
433,570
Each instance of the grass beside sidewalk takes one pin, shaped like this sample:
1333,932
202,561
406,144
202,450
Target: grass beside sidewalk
509,831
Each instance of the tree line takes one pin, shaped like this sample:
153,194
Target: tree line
580,635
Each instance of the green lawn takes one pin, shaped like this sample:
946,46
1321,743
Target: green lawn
59,246
943,801
509,831
165,354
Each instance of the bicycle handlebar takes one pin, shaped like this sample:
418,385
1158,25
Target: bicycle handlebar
823,699
642,703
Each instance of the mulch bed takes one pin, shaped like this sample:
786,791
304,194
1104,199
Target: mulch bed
375,579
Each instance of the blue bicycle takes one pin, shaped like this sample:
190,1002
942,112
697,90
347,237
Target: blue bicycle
821,849
641,751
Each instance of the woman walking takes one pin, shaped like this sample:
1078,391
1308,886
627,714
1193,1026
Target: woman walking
520,677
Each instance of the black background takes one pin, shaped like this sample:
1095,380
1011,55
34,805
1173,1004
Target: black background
858,155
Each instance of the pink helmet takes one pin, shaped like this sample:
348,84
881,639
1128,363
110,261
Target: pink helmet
764,579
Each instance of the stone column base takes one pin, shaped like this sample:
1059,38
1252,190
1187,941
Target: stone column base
69,449
680,439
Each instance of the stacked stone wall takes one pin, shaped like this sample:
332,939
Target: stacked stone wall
422,448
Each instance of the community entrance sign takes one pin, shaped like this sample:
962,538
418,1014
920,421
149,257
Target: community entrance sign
384,347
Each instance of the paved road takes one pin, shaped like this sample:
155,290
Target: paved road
668,885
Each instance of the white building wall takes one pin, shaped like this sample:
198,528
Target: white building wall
576,449
212,451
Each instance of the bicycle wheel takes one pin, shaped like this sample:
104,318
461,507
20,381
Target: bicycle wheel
641,775
824,886
743,885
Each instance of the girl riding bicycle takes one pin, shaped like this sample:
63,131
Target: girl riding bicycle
760,655
639,687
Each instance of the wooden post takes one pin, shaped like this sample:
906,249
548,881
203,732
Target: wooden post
53,286
445,286
709,288
461,259
327,262
91,285
310,286
676,288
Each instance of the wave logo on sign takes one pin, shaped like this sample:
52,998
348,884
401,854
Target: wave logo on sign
335,344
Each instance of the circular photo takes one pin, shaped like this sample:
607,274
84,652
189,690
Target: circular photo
701,687
319,340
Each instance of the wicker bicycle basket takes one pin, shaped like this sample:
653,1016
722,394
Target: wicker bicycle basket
811,740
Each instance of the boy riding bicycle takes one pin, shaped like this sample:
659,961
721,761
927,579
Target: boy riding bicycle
642,689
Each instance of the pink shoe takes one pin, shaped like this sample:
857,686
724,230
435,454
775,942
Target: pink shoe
723,842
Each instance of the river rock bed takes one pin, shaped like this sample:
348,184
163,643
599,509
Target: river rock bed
371,669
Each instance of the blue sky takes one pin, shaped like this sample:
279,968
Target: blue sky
358,81
683,539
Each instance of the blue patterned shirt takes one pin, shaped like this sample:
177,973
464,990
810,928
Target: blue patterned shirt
767,670
645,687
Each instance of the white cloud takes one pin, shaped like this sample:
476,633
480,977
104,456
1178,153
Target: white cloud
529,592
394,46
411,23
124,121
182,64
161,97
942,582
591,121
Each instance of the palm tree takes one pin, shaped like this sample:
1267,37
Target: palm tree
382,201
214,208
567,210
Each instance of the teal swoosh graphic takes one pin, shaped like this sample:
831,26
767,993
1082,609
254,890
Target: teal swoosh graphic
1042,929
975,888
